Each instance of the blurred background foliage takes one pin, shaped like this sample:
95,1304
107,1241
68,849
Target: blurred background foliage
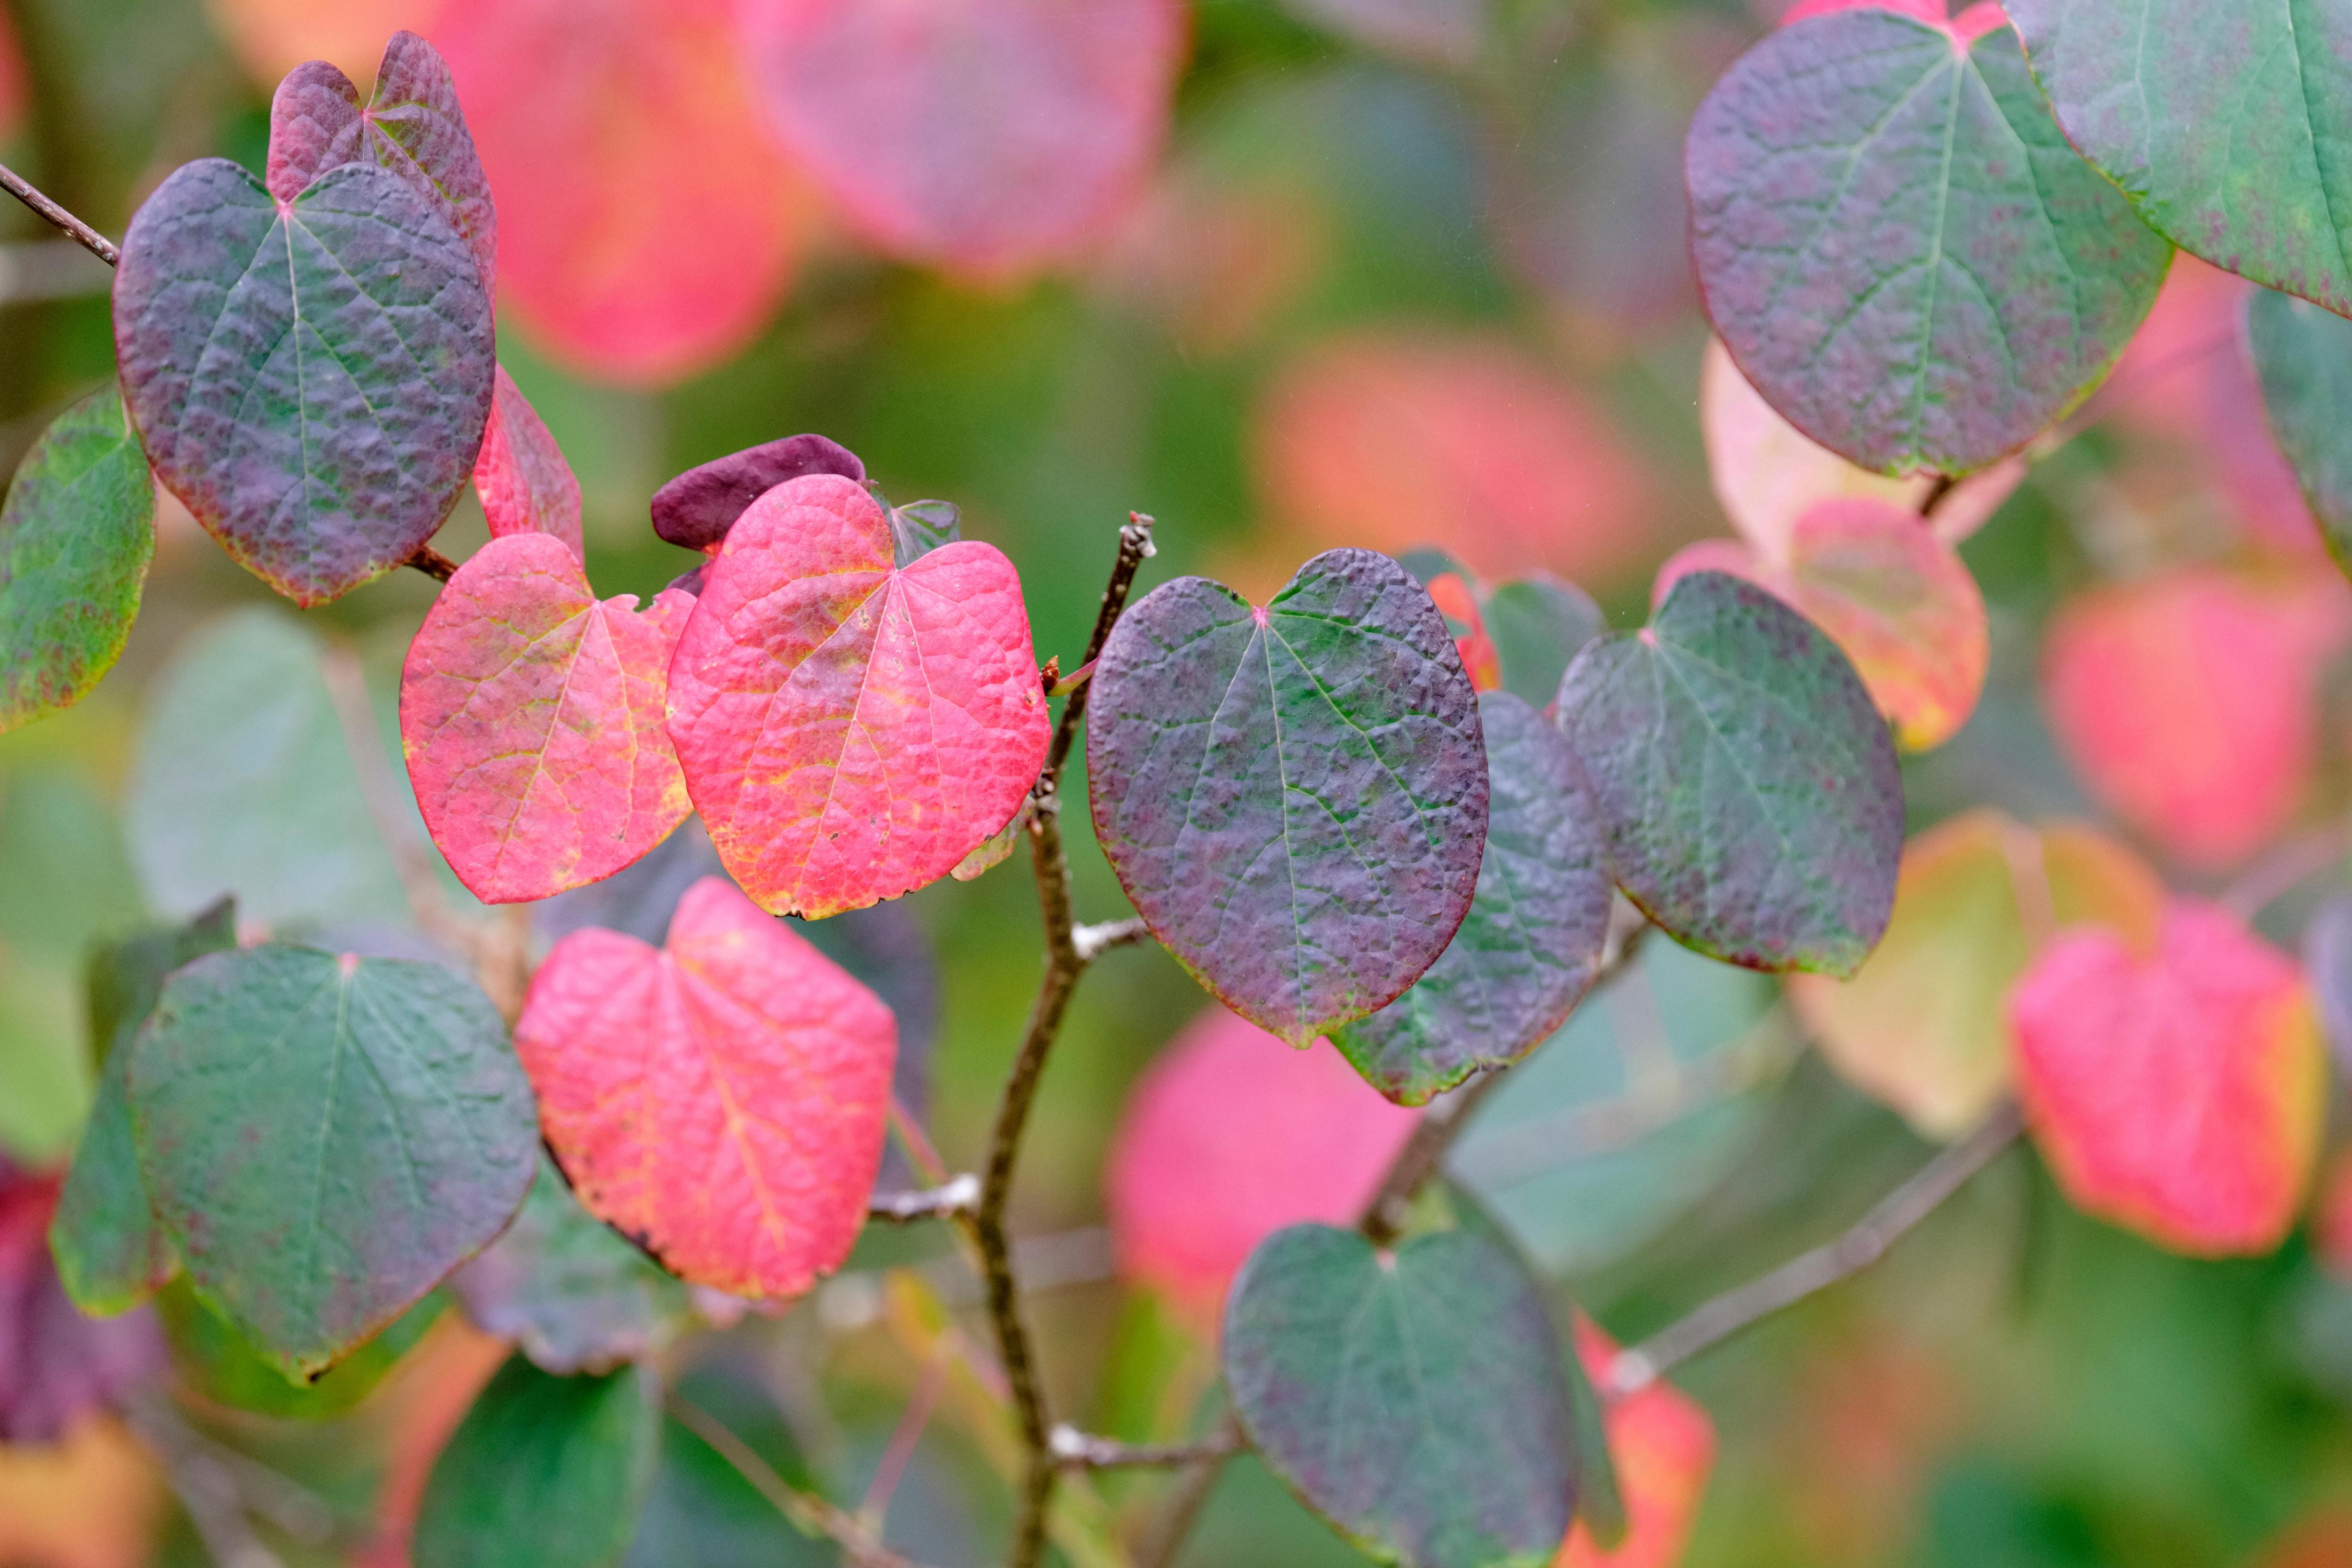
1406,273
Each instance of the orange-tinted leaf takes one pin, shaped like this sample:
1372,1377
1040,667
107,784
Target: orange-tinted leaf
2187,702
533,717
525,485
2178,1095
1663,1444
91,1501
1392,442
273,36
988,136
645,224
1458,603
1229,1136
721,1098
2322,1539
851,730
1922,1026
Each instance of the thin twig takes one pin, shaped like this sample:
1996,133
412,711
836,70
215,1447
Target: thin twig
1092,942
2287,866
1185,1509
433,564
810,1514
1064,962
1077,1450
875,1506
1938,490
946,1201
1868,1241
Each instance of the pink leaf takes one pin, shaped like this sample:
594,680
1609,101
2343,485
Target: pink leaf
850,732
531,716
721,1100
993,137
2179,1096
525,485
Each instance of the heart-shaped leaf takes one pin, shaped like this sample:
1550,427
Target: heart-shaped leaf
2217,118
412,126
2303,357
1922,1026
1745,785
1527,951
1414,1398
1899,247
2179,1095
697,508
544,1471
1293,796
312,378
990,136
533,717
75,539
56,1367
572,1295
851,730
525,485
111,1252
326,1138
720,1099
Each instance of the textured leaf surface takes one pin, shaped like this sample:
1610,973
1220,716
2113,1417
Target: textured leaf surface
76,536
1228,1137
697,508
1663,1445
109,1250
1293,797
599,122
2179,1095
57,1366
2220,122
545,1470
1924,1026
987,136
1415,1399
720,1099
311,379
525,485
850,731
1526,952
2303,357
412,125
245,784
1745,790
534,720
325,1138
572,1296
1899,248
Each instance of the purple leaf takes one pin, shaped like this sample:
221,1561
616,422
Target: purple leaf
699,506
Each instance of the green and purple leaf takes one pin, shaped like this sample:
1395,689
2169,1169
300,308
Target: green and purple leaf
311,377
57,1367
697,508
525,485
1293,796
2303,356
1745,786
1539,625
1898,246
533,718
326,1137
1527,950
75,539
851,730
1417,1398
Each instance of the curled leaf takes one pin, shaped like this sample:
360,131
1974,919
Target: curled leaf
697,508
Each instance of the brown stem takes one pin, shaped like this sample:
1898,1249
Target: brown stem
1077,1450
1868,1241
433,564
809,1513
96,244
1942,486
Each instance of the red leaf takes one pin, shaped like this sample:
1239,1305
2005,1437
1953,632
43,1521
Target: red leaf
1458,603
850,731
56,1365
644,226
525,485
1229,1136
2179,1096
721,1098
1663,1444
532,717
1972,24
993,137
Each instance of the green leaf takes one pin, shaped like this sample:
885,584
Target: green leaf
327,1138
75,539
213,1361
1899,248
1745,785
2303,357
109,1251
920,527
245,784
1293,797
544,1472
2222,122
1528,948
1539,625
566,1288
1416,1399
